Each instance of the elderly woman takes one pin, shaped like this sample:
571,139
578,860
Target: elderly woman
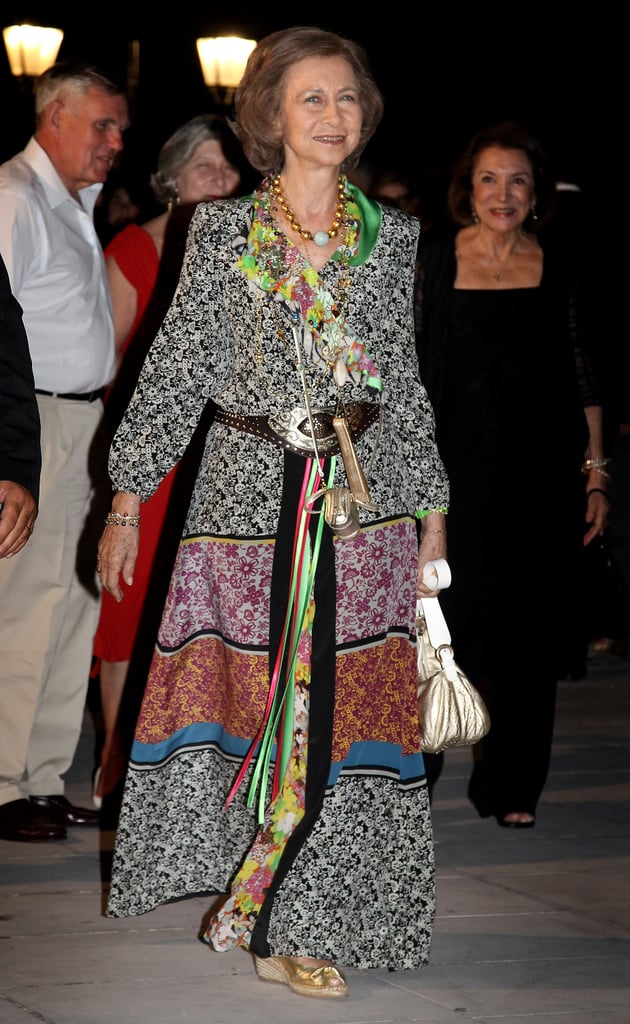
277,757
504,353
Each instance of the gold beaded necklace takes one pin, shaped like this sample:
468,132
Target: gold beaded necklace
320,238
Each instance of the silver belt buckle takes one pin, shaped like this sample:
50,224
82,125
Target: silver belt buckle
294,427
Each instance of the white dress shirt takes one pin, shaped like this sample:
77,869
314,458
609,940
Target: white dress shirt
57,272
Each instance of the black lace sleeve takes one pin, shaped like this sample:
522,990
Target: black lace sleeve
435,276
578,331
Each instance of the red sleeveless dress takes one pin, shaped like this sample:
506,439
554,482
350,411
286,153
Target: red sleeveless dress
137,258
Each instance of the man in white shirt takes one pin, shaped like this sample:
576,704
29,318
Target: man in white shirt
48,606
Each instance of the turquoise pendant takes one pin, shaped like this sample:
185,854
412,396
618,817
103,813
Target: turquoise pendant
321,238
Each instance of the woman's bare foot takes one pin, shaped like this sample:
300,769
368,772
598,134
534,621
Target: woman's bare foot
517,819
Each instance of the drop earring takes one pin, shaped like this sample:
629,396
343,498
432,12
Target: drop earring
173,200
533,212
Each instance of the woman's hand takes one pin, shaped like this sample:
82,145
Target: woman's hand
432,546
118,546
597,509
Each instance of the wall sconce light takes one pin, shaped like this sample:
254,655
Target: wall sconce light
31,49
223,60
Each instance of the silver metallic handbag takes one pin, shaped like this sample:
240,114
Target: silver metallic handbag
452,712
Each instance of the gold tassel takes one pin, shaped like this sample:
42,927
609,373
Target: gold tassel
354,473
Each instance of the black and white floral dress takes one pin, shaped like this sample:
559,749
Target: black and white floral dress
335,860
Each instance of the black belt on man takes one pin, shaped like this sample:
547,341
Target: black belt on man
292,429
83,396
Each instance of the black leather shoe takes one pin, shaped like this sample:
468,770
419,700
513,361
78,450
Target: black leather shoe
21,822
59,810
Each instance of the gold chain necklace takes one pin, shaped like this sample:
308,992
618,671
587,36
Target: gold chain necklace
499,273
320,238
319,373
287,396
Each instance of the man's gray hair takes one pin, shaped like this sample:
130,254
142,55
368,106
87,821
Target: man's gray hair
67,77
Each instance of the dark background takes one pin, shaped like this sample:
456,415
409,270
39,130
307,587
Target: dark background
444,73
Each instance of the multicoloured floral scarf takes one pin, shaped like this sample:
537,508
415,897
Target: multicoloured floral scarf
272,263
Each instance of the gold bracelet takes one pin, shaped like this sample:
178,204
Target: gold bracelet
431,531
116,519
599,465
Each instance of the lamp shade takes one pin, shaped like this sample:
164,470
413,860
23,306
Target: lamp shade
223,59
31,49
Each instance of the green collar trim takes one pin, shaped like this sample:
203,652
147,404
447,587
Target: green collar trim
371,218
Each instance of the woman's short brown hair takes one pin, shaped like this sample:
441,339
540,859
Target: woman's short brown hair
505,135
260,95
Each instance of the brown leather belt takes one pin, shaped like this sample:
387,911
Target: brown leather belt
292,430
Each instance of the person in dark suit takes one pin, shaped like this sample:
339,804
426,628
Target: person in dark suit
20,451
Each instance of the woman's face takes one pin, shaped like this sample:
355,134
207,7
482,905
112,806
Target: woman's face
207,175
321,115
502,188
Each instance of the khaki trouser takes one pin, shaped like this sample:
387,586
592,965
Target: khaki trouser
49,604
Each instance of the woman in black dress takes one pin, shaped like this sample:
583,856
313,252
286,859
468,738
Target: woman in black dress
519,427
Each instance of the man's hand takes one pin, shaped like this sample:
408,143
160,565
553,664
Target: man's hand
18,512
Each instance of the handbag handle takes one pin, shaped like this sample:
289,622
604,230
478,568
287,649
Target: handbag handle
437,575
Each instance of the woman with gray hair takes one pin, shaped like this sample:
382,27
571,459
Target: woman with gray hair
202,160
190,171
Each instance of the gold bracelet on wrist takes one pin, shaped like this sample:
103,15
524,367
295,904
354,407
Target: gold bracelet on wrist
119,519
599,465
